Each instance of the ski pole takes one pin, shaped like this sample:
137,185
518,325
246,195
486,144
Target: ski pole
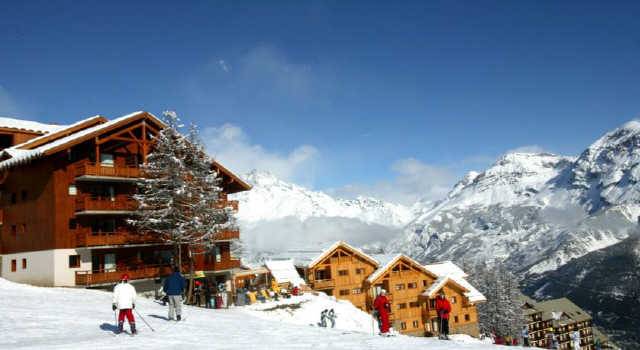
115,317
143,320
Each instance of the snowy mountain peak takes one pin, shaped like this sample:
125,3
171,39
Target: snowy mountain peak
536,211
608,172
272,198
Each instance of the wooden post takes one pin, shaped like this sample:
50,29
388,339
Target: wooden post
97,153
144,142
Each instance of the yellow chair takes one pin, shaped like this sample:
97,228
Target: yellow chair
265,294
275,287
252,297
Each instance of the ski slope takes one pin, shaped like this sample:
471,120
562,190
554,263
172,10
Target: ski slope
60,318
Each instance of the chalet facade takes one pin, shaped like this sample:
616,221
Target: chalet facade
341,271
66,193
560,317
349,274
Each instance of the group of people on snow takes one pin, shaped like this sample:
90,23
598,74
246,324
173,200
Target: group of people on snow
382,308
124,299
327,315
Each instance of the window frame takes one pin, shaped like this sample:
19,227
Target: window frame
79,261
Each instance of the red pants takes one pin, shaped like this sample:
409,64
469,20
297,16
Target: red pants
128,313
384,320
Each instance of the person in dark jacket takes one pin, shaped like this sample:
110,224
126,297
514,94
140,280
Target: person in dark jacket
174,287
443,308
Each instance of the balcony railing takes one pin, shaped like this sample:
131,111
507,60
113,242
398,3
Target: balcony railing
322,284
87,278
94,239
227,235
117,203
93,169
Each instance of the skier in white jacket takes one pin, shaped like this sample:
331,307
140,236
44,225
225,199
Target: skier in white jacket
124,298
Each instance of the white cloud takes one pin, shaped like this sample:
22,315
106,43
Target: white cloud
232,147
8,106
224,65
528,149
413,181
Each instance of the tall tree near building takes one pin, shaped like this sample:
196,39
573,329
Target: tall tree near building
501,314
179,198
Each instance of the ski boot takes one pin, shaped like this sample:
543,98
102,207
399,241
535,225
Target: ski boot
133,328
120,327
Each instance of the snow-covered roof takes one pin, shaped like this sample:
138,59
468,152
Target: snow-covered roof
390,260
21,156
63,131
284,271
28,125
436,286
446,268
343,244
457,275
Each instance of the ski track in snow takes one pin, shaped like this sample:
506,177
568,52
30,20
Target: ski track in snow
64,318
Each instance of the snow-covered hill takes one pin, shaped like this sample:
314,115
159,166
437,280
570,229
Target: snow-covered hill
536,210
277,216
61,318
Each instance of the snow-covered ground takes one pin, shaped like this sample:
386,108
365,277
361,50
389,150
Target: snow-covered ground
59,318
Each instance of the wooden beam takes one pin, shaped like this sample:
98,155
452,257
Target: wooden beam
144,142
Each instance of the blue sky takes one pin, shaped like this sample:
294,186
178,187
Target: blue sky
353,97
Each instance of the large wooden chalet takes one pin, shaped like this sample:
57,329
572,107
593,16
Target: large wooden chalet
65,195
349,274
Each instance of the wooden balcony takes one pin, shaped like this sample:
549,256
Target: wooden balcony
93,171
88,278
324,284
96,239
228,235
91,204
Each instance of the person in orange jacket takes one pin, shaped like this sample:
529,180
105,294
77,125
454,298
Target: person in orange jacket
382,306
443,308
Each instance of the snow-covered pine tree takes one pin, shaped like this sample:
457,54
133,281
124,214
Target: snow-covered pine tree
502,313
179,197
162,193
208,216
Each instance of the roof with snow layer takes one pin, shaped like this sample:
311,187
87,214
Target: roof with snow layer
17,155
284,271
441,282
457,275
345,245
392,261
28,125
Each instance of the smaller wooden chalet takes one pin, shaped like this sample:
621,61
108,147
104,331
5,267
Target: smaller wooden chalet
65,196
560,317
341,271
349,274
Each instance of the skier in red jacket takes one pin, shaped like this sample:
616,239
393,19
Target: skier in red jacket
381,305
443,308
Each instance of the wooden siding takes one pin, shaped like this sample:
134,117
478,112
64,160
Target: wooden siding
342,274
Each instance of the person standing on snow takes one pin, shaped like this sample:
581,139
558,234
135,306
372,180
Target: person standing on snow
382,306
525,336
173,287
332,317
443,308
124,298
323,318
